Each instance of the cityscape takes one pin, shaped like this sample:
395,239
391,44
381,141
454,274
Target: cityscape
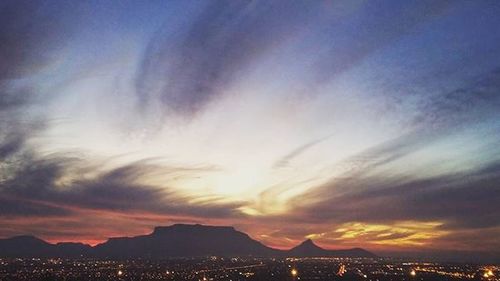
187,252
239,269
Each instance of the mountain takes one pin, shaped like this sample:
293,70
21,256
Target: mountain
24,246
29,246
309,249
72,250
178,240
185,240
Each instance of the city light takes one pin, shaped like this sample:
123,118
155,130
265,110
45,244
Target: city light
342,270
413,272
488,274
244,269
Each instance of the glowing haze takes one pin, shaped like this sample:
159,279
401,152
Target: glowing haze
355,123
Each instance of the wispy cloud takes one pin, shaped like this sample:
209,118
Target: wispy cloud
284,161
464,105
186,70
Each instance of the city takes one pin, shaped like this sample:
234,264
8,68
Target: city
239,269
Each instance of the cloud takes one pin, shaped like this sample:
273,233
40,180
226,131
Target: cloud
38,189
284,161
186,70
374,179
50,190
399,233
31,34
191,66
16,207
464,105
464,200
188,66
382,211
27,31
10,145
38,181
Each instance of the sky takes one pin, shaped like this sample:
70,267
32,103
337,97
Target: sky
371,124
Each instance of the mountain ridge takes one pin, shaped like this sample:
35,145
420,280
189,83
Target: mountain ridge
178,240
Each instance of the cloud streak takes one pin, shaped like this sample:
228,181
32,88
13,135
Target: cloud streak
285,160
36,191
188,69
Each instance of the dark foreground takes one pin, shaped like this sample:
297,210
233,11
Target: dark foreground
240,269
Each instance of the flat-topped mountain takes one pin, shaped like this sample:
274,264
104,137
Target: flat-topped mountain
178,240
182,240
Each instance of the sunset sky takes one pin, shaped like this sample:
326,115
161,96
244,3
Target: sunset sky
371,124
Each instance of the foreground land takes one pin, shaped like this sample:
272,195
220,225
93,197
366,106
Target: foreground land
216,268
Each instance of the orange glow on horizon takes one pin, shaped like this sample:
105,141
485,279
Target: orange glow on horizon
94,227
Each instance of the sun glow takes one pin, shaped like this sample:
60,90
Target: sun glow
405,233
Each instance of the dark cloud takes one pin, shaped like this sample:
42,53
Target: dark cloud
32,34
48,196
36,183
10,145
463,105
27,30
460,200
19,207
188,69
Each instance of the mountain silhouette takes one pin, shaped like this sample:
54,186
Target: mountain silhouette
309,249
178,240
30,246
185,240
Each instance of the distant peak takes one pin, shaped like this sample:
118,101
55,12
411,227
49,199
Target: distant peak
307,244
